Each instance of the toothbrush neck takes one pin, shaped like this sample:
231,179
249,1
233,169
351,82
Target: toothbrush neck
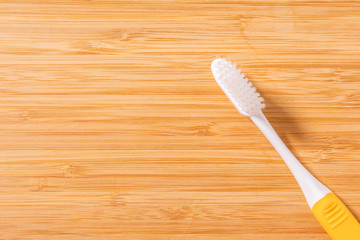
311,187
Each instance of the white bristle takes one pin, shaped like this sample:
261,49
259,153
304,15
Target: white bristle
237,87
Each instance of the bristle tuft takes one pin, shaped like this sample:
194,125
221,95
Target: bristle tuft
237,87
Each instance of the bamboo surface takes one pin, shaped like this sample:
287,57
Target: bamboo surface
112,126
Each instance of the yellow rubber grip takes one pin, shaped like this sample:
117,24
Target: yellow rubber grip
336,219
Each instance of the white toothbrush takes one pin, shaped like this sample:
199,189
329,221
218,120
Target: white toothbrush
333,215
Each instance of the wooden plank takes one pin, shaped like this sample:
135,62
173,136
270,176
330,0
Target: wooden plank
113,127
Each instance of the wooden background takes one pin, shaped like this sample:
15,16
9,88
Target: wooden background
112,126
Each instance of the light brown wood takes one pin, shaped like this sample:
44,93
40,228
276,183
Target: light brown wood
112,126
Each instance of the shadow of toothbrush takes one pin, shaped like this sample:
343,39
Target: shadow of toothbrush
283,122
278,117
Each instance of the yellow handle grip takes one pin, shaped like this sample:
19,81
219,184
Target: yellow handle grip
336,219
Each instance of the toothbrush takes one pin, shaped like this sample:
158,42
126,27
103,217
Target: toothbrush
332,214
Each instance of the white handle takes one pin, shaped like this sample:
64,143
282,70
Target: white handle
311,187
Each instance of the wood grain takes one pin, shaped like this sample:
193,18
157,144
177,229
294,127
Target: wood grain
112,126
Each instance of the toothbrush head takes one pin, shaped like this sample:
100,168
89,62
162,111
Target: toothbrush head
237,87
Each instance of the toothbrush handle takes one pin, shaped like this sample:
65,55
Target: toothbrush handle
336,218
332,214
